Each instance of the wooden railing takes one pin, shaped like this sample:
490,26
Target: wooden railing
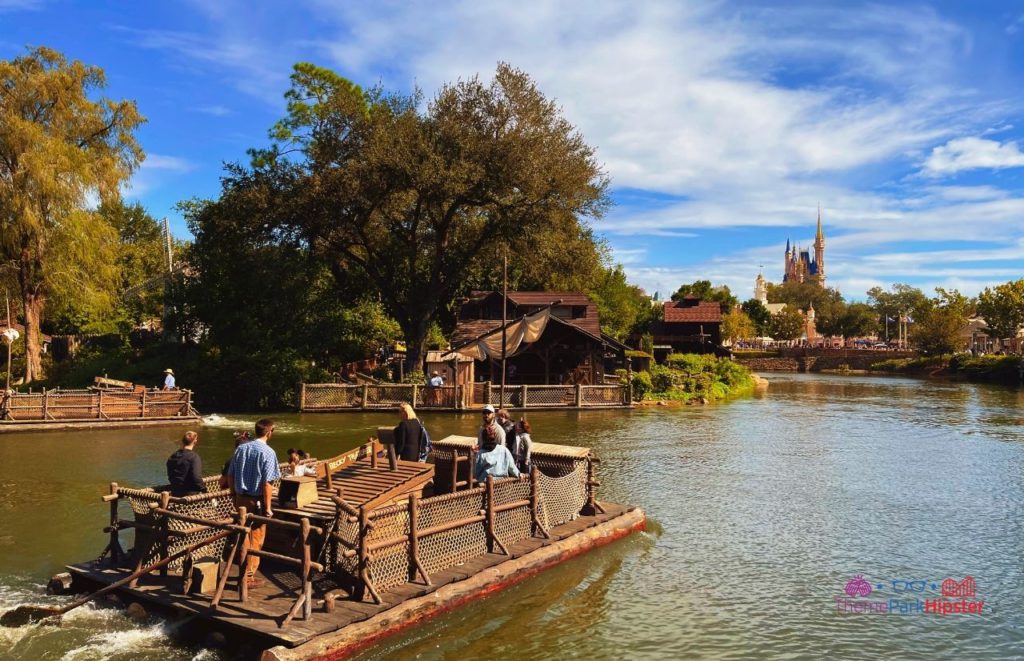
89,405
343,397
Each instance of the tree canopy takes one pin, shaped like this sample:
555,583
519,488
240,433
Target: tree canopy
415,201
937,322
58,146
787,324
1002,307
705,291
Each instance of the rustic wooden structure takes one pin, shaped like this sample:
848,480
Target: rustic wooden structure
689,326
51,409
571,350
377,540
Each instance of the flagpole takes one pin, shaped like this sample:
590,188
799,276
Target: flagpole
504,322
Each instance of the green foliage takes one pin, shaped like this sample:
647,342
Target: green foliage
919,364
415,376
758,314
418,199
623,308
840,319
705,291
686,376
57,144
736,325
802,295
1003,308
937,323
901,300
787,324
642,385
994,369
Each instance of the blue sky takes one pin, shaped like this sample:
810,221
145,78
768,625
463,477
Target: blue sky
722,124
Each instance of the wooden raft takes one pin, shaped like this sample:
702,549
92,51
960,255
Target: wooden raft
259,618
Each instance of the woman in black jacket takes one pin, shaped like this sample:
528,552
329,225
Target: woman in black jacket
407,434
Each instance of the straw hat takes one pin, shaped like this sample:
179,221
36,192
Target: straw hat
169,371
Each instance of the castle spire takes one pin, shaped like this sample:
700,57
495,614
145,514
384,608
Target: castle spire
820,236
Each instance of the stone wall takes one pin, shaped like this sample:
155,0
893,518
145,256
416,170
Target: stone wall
829,360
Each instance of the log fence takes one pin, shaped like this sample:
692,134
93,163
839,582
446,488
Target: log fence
93,405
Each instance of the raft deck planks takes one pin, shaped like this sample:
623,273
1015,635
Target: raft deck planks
269,603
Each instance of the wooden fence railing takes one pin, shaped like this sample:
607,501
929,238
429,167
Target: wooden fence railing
86,405
342,397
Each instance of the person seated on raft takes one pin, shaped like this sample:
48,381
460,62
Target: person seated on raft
240,437
185,468
494,459
295,456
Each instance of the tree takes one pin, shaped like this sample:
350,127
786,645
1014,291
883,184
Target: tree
802,295
415,200
1002,307
623,308
57,146
705,291
787,324
758,314
736,325
901,300
859,320
938,322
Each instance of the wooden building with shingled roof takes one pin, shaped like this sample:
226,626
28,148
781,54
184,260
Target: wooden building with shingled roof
689,326
572,348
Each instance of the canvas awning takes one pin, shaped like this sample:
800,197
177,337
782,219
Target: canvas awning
517,334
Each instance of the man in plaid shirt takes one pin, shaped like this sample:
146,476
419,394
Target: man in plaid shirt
253,467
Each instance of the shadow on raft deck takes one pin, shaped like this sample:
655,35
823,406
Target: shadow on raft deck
267,606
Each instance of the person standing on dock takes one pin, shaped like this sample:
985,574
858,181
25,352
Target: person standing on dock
169,379
185,468
490,422
253,467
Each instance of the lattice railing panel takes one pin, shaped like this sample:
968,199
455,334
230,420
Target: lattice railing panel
332,396
440,397
388,395
515,524
212,507
562,498
389,566
601,395
478,394
551,396
513,396
447,549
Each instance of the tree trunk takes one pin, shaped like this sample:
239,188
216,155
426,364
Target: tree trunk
415,341
33,349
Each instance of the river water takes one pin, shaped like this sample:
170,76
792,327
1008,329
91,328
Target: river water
760,511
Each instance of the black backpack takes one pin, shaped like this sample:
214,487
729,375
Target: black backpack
426,446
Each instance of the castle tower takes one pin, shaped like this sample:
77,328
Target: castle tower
761,289
787,270
819,253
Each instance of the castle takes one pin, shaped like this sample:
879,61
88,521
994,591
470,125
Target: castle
799,267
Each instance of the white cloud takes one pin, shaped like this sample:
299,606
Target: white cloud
971,154
215,110
21,5
164,162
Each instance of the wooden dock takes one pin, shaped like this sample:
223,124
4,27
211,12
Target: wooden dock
260,617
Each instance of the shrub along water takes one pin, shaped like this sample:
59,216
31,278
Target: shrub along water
987,369
691,376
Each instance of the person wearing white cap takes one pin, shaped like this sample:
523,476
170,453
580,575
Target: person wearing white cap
169,379
490,421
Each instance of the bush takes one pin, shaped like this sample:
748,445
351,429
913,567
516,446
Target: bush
661,378
641,385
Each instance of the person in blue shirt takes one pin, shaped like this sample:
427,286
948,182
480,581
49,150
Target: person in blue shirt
494,459
169,379
253,467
